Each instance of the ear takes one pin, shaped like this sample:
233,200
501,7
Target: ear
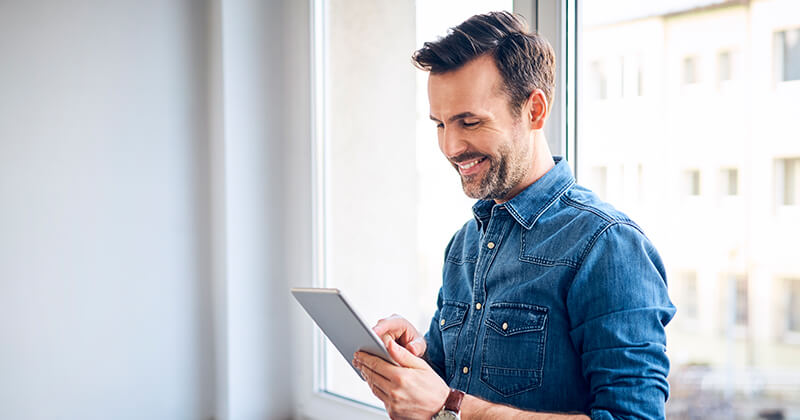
536,109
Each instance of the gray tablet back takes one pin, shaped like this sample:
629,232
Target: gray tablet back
340,323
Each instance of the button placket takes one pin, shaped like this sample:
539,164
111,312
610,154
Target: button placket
496,228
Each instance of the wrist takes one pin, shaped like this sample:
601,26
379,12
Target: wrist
473,408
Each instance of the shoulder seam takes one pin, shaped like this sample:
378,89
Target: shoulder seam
591,209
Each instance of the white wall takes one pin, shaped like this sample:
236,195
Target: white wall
104,281
141,203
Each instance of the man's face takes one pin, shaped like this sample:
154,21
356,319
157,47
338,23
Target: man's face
487,145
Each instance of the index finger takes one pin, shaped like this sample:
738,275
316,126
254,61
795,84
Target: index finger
394,326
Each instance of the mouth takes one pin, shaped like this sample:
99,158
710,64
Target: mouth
470,167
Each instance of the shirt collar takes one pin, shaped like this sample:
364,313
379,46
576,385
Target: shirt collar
530,203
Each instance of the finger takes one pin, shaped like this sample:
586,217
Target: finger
404,357
375,379
417,346
380,366
394,326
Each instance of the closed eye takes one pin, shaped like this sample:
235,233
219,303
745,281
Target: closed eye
470,124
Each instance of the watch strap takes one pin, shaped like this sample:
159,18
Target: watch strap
453,402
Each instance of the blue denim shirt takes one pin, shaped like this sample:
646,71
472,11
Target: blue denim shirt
554,301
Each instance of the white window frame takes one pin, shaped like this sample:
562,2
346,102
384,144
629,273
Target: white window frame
311,401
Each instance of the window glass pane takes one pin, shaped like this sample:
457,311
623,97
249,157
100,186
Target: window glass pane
690,70
729,181
789,45
711,122
788,179
724,66
792,310
393,201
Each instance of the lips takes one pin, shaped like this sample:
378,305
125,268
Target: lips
471,166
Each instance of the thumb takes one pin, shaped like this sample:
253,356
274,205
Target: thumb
403,357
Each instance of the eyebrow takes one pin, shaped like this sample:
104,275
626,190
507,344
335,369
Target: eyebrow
455,117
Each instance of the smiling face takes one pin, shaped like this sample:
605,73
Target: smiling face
489,146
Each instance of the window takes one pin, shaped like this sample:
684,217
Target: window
787,177
689,293
639,77
632,78
599,82
691,182
793,305
741,313
690,71
729,181
391,205
621,82
725,359
787,54
600,181
657,134
724,66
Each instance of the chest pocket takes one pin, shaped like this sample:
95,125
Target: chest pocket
451,319
513,348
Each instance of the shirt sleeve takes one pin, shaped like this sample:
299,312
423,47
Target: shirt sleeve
434,352
619,305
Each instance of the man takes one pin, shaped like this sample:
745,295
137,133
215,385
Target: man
552,301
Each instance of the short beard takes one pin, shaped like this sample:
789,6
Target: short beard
505,172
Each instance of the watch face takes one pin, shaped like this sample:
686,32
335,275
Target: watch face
446,415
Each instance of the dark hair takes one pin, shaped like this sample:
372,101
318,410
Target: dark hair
525,60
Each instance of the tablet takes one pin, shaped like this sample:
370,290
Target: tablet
336,318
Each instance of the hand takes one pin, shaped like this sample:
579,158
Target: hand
398,329
409,391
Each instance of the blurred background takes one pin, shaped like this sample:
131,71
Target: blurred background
169,169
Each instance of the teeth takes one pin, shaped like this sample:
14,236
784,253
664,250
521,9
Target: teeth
471,164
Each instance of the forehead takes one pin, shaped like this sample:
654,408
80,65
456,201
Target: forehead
475,87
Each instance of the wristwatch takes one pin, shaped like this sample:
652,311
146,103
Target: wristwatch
452,406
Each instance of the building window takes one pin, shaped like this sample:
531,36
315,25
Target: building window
639,78
691,179
599,181
793,305
640,182
787,177
740,303
787,54
689,281
690,74
621,79
631,76
724,66
599,81
729,178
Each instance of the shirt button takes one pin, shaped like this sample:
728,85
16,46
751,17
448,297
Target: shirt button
441,322
478,306
505,326
465,370
490,245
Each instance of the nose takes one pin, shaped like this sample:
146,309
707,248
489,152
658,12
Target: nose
450,143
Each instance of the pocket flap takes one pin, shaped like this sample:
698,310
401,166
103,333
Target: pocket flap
516,318
452,314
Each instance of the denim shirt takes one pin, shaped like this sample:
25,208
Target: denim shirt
556,302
